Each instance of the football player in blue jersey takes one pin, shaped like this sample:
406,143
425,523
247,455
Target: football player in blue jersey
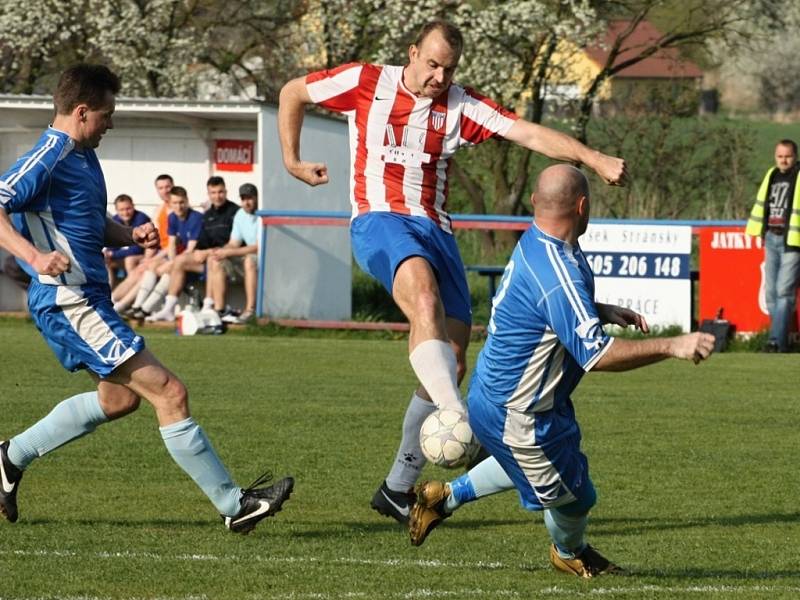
56,195
545,332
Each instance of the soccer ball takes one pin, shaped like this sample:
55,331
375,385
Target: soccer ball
447,439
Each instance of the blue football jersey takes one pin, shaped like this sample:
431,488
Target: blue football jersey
58,196
184,231
544,334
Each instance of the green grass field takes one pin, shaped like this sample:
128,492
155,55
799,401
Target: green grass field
696,469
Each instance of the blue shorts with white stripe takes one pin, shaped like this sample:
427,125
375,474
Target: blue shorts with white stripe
546,476
81,326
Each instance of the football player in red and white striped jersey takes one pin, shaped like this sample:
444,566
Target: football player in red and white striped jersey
405,125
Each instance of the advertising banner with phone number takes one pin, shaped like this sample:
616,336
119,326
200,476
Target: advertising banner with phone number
643,267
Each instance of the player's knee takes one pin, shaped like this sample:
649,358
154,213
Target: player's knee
176,396
583,503
119,402
131,403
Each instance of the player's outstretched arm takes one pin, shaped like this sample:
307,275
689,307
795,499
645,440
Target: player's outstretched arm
624,355
560,146
51,263
293,99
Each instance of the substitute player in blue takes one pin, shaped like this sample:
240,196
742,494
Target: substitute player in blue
545,332
57,195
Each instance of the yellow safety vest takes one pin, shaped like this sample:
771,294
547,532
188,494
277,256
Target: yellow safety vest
755,224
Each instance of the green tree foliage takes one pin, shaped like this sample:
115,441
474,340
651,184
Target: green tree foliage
682,167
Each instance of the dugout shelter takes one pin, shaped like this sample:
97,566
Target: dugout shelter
307,270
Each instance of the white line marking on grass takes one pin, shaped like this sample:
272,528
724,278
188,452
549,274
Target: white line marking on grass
698,589
391,562
472,592
103,598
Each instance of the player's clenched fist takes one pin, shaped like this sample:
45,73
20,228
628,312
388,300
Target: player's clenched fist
311,173
146,236
613,170
53,264
695,346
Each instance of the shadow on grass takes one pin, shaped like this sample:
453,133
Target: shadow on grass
718,574
336,529
124,523
636,526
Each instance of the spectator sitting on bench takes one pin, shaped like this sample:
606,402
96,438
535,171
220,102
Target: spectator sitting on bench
183,229
215,233
238,257
125,292
124,257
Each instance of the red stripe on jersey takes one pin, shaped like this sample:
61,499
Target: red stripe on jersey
400,166
316,76
393,173
476,133
342,102
366,88
434,142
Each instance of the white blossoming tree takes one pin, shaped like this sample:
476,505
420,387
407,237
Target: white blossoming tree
36,39
160,48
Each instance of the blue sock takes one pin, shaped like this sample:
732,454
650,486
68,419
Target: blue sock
484,479
190,448
567,531
70,419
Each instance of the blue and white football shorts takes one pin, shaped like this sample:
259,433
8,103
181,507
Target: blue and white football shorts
381,241
548,476
81,326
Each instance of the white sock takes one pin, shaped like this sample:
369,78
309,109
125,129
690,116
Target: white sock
409,461
146,285
169,305
208,302
434,363
157,294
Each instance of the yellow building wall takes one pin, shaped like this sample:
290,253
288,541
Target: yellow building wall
571,65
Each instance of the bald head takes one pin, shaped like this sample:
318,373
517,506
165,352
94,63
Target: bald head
558,189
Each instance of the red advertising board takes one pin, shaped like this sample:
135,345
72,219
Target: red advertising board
731,278
233,155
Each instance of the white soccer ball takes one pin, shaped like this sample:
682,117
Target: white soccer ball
447,439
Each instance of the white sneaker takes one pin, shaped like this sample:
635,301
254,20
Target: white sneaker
243,318
166,316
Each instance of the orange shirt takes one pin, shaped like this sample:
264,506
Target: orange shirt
161,220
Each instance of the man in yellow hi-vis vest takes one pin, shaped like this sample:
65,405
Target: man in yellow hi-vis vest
776,218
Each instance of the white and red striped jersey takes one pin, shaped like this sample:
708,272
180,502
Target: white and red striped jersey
400,143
